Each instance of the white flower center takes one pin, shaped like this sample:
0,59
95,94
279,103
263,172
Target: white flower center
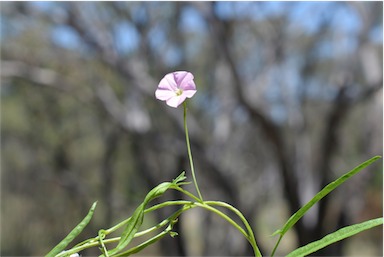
179,92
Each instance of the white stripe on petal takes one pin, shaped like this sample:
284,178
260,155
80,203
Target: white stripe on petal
164,95
189,93
174,101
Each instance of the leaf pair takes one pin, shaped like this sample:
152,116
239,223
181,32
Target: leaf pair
336,236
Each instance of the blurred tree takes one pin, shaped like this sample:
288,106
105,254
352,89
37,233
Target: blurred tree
289,97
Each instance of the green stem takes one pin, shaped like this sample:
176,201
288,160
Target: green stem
277,244
167,203
141,246
87,245
251,236
203,205
117,226
171,220
206,205
224,216
189,151
96,241
186,205
188,194
103,249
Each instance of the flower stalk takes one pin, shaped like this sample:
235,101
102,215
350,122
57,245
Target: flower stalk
190,153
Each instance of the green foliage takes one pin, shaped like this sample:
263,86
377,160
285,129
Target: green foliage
64,135
133,223
136,220
325,191
334,237
73,234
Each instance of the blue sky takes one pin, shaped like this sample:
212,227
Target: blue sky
304,15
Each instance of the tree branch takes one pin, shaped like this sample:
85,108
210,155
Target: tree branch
270,129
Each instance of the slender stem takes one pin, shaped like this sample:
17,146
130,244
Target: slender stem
277,244
189,151
167,203
204,205
103,249
86,246
186,206
251,237
224,216
116,227
171,220
189,205
97,241
150,241
187,193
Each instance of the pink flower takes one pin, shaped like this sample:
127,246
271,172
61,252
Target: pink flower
175,87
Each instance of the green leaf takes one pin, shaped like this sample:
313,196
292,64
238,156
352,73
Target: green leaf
335,237
130,230
325,191
157,192
179,178
138,216
73,234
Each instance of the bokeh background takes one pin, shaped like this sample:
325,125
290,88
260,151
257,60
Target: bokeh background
289,98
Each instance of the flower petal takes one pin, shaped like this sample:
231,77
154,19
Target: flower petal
176,101
168,83
189,93
164,94
179,76
185,81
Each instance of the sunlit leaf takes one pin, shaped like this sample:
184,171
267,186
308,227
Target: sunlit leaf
334,237
73,234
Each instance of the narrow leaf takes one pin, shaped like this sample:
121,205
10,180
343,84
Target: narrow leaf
335,237
145,244
157,192
138,216
73,234
325,191
130,230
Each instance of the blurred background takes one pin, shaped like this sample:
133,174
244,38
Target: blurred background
289,98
